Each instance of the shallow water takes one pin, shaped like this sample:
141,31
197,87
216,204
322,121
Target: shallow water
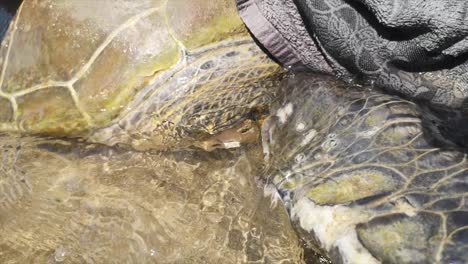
67,202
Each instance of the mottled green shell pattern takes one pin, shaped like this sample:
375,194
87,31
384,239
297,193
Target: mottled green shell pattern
69,69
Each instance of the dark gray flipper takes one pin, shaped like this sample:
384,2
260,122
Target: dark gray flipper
363,176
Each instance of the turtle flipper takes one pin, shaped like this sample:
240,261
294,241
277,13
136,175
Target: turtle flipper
363,177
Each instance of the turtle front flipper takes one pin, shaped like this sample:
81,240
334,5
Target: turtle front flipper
363,177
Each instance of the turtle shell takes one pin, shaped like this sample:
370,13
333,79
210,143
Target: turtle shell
69,67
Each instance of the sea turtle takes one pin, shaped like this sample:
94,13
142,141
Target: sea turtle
150,74
367,176
357,170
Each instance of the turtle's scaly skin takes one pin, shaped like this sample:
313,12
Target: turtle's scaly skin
68,68
361,174
217,91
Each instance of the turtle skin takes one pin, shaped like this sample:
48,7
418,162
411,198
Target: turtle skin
365,176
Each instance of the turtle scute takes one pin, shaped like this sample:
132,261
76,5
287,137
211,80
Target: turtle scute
362,175
183,68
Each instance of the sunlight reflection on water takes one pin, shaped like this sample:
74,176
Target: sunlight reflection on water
67,202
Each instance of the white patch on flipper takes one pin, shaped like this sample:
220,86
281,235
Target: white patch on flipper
267,136
308,137
284,113
370,132
300,127
270,191
334,226
403,207
233,144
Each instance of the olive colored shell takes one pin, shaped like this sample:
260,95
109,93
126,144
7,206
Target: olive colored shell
68,67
